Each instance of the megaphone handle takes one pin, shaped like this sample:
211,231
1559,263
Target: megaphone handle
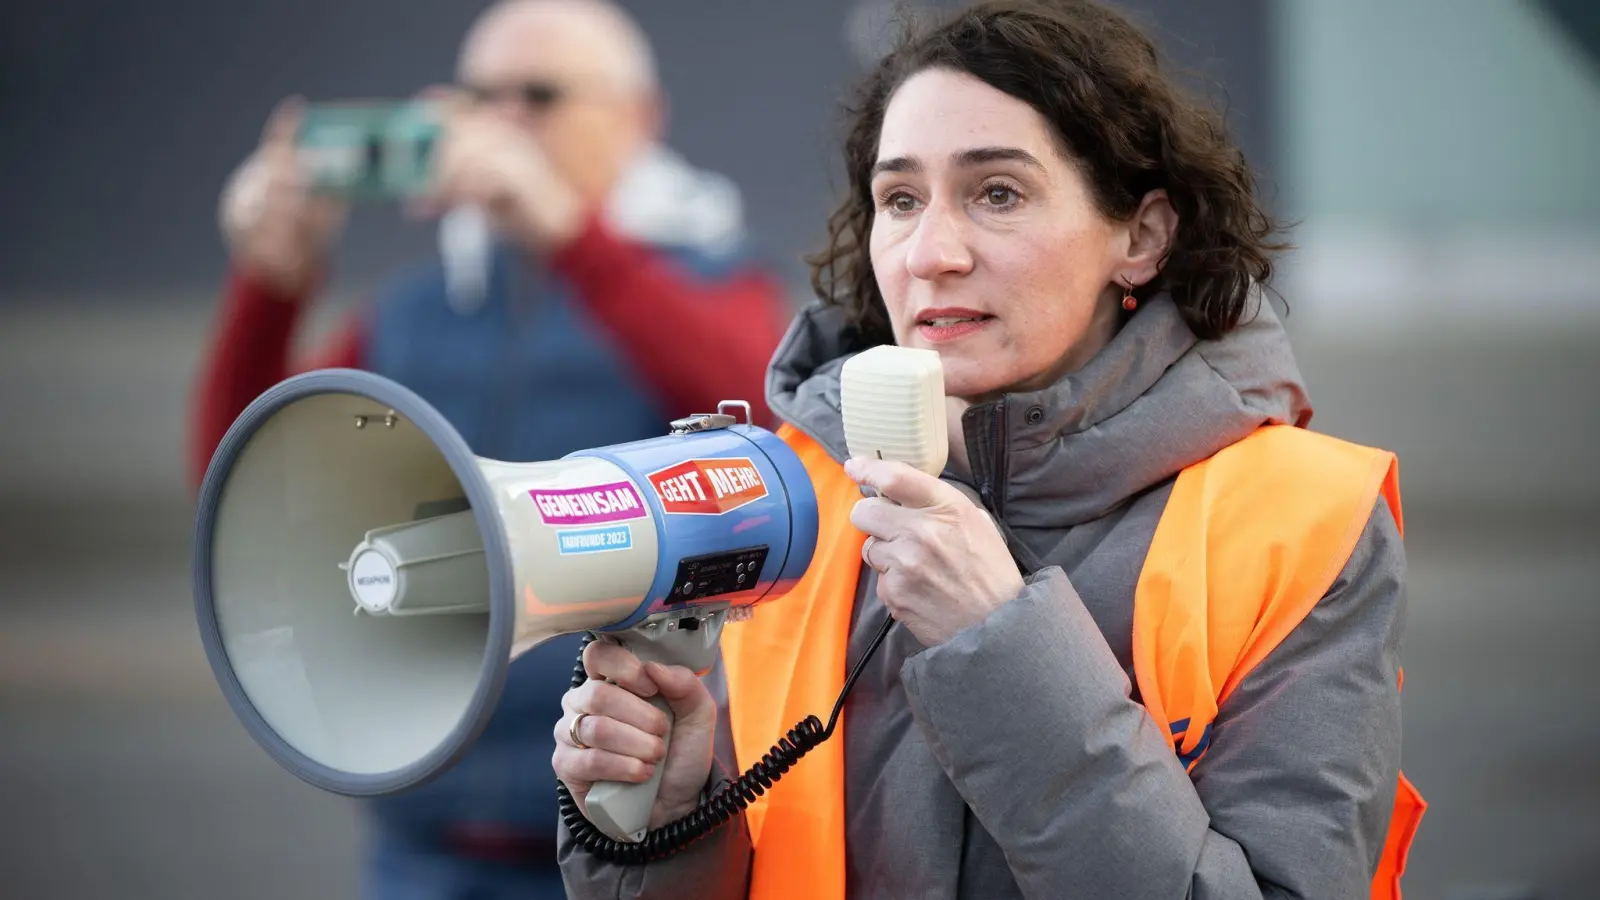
622,810
730,799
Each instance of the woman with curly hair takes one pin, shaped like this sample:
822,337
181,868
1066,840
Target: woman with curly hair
1149,623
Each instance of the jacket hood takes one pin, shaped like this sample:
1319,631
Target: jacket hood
1153,401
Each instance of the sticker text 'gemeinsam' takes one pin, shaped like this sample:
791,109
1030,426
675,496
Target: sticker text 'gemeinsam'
593,505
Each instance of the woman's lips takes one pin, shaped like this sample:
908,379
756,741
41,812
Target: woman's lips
941,326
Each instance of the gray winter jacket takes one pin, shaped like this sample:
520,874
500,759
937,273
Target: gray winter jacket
1015,760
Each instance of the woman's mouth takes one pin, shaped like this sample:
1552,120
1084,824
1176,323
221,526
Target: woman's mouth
939,326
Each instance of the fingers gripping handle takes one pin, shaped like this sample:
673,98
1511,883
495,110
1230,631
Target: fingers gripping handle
622,810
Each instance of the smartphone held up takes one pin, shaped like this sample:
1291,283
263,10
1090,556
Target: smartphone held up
369,150
385,151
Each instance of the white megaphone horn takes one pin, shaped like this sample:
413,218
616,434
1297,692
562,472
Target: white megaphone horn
362,581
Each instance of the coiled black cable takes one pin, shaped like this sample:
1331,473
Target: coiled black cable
729,800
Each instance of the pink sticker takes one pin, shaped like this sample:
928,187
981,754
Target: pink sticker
589,505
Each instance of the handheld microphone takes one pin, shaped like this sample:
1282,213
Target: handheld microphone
892,399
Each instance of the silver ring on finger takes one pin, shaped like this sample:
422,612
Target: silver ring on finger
572,731
866,552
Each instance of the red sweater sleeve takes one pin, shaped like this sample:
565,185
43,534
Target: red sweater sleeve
695,341
248,354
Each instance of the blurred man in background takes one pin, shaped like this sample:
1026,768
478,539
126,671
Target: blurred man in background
613,299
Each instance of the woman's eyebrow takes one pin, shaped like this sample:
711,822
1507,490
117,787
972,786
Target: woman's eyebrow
978,156
974,156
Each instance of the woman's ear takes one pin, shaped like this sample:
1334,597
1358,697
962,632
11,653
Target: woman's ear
1151,232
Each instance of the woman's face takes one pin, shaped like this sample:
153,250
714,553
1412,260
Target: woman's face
986,243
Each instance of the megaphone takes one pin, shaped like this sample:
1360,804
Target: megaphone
362,581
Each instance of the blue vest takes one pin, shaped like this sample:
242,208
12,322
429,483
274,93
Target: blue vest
528,376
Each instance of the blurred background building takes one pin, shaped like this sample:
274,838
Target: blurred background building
1439,155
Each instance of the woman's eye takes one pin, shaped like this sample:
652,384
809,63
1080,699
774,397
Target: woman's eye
999,195
902,203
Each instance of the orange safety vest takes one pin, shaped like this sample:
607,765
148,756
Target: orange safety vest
1249,541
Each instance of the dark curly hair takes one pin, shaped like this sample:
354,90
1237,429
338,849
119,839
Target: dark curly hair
1098,80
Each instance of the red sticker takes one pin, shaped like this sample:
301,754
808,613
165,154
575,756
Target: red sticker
708,487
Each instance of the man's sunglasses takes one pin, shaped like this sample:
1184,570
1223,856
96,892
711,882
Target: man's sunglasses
536,95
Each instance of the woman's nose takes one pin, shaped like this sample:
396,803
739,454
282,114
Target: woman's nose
938,247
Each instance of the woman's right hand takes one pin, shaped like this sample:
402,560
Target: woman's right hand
623,733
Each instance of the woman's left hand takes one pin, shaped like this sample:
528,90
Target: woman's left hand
942,564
